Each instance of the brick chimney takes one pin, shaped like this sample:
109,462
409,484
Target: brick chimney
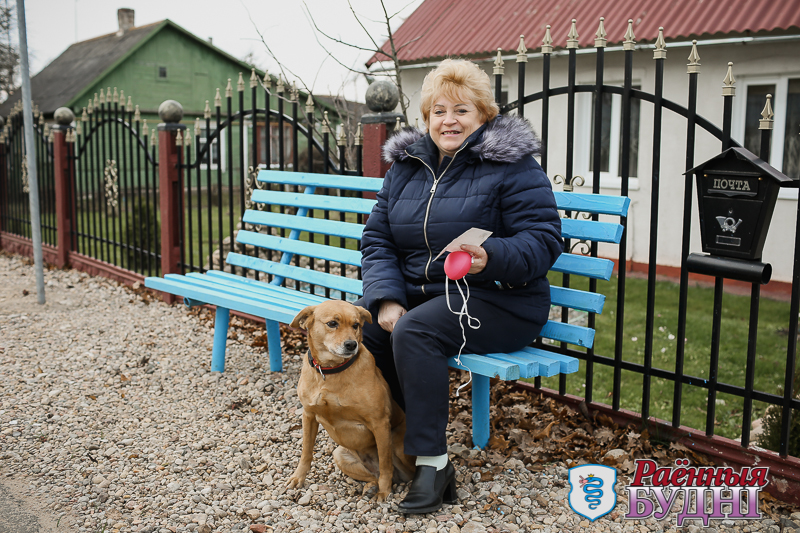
125,17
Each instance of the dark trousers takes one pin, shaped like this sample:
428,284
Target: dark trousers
413,359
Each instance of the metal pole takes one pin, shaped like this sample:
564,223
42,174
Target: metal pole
27,110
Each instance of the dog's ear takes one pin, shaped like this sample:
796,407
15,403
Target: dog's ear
304,317
365,315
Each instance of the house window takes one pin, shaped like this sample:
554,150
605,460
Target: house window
784,150
217,152
162,72
274,146
611,136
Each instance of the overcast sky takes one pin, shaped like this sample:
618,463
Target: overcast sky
53,25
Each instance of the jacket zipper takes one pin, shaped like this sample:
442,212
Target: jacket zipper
430,200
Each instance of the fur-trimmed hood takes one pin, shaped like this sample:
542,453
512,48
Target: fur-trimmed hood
506,139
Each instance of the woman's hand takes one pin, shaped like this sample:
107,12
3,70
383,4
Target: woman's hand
479,257
389,313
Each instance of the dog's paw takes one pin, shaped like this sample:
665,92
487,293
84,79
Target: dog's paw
381,496
296,481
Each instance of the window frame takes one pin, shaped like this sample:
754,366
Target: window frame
584,111
779,101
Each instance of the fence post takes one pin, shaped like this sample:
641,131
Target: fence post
3,177
382,98
64,185
170,184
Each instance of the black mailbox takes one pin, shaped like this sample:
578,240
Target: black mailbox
737,192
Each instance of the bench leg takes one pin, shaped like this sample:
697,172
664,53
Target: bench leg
221,320
480,410
274,345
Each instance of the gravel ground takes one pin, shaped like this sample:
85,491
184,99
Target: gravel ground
110,420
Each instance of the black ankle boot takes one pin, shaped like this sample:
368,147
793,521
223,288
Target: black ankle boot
429,489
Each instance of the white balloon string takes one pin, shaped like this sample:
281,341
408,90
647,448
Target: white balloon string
472,322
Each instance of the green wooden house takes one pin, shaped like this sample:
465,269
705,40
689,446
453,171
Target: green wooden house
162,61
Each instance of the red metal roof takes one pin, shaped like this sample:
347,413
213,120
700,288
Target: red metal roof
476,28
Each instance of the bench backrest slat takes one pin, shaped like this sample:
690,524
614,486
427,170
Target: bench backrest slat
590,302
559,331
590,230
292,246
314,201
306,275
335,228
331,181
584,265
601,204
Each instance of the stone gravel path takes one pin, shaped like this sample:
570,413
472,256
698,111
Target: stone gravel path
110,420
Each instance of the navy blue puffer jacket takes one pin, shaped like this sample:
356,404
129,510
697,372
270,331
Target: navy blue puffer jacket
493,183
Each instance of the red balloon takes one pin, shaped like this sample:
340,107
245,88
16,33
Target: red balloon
457,264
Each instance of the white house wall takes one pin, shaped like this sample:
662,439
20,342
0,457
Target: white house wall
750,61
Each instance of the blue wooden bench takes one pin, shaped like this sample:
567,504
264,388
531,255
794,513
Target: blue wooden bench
294,286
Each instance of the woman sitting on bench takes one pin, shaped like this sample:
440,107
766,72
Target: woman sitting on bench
472,168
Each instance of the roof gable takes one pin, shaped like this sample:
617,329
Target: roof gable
476,28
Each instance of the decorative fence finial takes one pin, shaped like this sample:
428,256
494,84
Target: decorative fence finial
207,110
326,126
397,124
629,43
154,140
547,42
240,83
90,107
359,140
145,129
279,87
217,99
499,69
309,105
130,103
78,129
661,46
96,102
766,121
115,98
229,89
187,139
522,52
572,36
102,97
728,83
295,97
342,140
136,115
84,115
694,60
122,98
179,139
253,78
267,79
600,40
197,128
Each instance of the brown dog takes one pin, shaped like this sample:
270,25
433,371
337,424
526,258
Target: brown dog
341,388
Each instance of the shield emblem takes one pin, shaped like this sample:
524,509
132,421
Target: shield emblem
592,492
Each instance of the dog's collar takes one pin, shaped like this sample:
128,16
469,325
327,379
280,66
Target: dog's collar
325,370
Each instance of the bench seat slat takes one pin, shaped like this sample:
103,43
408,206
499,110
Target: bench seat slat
590,302
528,368
559,331
292,298
336,228
568,365
292,246
591,230
311,299
485,366
331,181
314,201
278,300
601,204
548,367
584,265
181,287
305,275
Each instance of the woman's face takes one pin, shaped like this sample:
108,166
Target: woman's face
452,122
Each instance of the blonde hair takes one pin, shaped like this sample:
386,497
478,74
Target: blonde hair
456,80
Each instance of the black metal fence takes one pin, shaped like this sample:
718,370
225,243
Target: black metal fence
15,215
618,361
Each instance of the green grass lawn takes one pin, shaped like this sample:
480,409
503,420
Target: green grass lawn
770,358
